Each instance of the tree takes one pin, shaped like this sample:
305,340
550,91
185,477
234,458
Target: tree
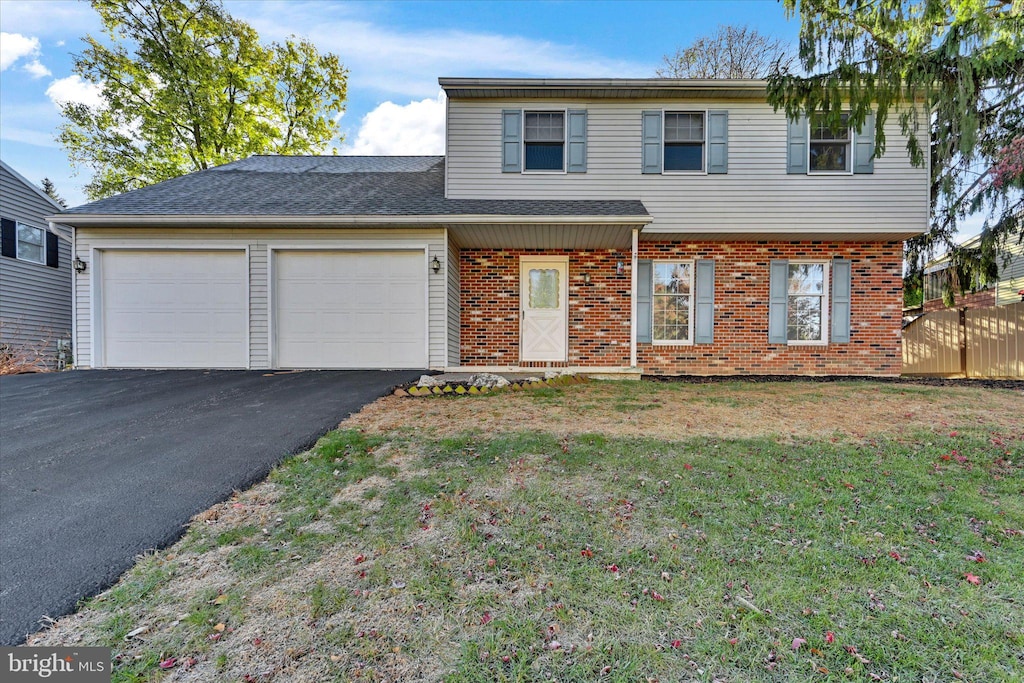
951,70
51,190
731,52
184,87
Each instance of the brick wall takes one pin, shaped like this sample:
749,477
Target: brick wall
980,299
599,310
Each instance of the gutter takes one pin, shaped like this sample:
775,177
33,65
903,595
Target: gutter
194,220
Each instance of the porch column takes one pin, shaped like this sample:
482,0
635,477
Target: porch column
632,298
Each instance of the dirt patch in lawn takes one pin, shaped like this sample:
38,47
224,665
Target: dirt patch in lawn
734,409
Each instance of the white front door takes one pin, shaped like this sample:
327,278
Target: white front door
545,309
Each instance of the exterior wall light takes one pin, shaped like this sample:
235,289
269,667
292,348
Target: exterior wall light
79,265
620,268
435,266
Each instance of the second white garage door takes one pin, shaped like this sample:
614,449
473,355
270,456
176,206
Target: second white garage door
350,309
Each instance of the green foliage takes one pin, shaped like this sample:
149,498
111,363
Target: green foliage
913,290
184,87
962,61
51,191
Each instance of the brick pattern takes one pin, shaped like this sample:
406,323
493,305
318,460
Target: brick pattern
980,299
741,312
599,310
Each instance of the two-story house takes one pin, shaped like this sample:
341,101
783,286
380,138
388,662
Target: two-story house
604,225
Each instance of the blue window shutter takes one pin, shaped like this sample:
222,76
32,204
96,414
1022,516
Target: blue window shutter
718,141
704,321
841,276
52,251
778,302
577,137
651,134
644,285
511,140
864,147
796,145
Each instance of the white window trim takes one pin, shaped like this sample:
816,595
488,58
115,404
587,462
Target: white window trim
565,141
704,145
693,298
17,243
825,304
849,153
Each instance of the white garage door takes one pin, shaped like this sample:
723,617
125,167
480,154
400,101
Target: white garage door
174,309
350,309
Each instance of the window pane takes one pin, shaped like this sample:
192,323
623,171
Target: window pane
684,157
30,252
543,288
806,278
671,318
544,156
804,323
544,127
30,235
830,156
684,127
820,130
671,278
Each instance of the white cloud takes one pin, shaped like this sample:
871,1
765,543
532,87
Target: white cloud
411,129
36,69
74,89
14,46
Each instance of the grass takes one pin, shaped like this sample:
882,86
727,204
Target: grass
529,556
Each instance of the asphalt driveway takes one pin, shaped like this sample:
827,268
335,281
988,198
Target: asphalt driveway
98,466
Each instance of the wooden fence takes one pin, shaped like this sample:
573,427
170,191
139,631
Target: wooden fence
973,342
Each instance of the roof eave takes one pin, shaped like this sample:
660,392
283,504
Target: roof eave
198,220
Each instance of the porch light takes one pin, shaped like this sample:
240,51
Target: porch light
435,265
586,278
79,265
620,268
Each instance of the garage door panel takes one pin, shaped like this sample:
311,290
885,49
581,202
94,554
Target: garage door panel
174,309
350,309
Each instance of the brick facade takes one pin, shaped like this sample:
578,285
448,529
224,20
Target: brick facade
599,310
986,297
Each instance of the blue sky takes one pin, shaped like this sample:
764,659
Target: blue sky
395,52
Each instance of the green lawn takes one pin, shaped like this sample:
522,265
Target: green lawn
536,557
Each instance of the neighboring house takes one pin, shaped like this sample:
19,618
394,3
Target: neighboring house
1008,288
35,272
608,226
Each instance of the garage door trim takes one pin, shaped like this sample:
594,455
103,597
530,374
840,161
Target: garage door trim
96,288
344,246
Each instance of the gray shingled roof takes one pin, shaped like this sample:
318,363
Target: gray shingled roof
330,186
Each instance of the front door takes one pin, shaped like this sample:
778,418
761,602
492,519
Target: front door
545,309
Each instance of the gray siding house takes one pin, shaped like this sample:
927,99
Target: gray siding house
35,271
604,226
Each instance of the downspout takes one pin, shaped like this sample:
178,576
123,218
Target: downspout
632,298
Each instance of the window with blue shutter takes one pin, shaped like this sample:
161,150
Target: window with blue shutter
704,311
841,290
511,140
643,301
651,141
718,141
577,134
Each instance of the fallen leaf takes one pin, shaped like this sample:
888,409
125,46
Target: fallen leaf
896,556
797,642
336,658
360,559
220,599
486,618
168,663
657,596
687,466
677,644
554,645
971,578
733,641
830,637
587,552
976,556
219,627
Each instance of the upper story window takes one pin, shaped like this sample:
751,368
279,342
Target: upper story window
544,140
829,148
807,302
31,244
684,141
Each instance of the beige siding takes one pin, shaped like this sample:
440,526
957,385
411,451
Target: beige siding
757,191
1011,276
454,307
993,337
258,242
35,300
931,344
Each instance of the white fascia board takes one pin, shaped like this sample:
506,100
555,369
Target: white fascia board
101,220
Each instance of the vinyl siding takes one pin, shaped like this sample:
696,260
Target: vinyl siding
756,191
1011,276
258,242
454,304
35,300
